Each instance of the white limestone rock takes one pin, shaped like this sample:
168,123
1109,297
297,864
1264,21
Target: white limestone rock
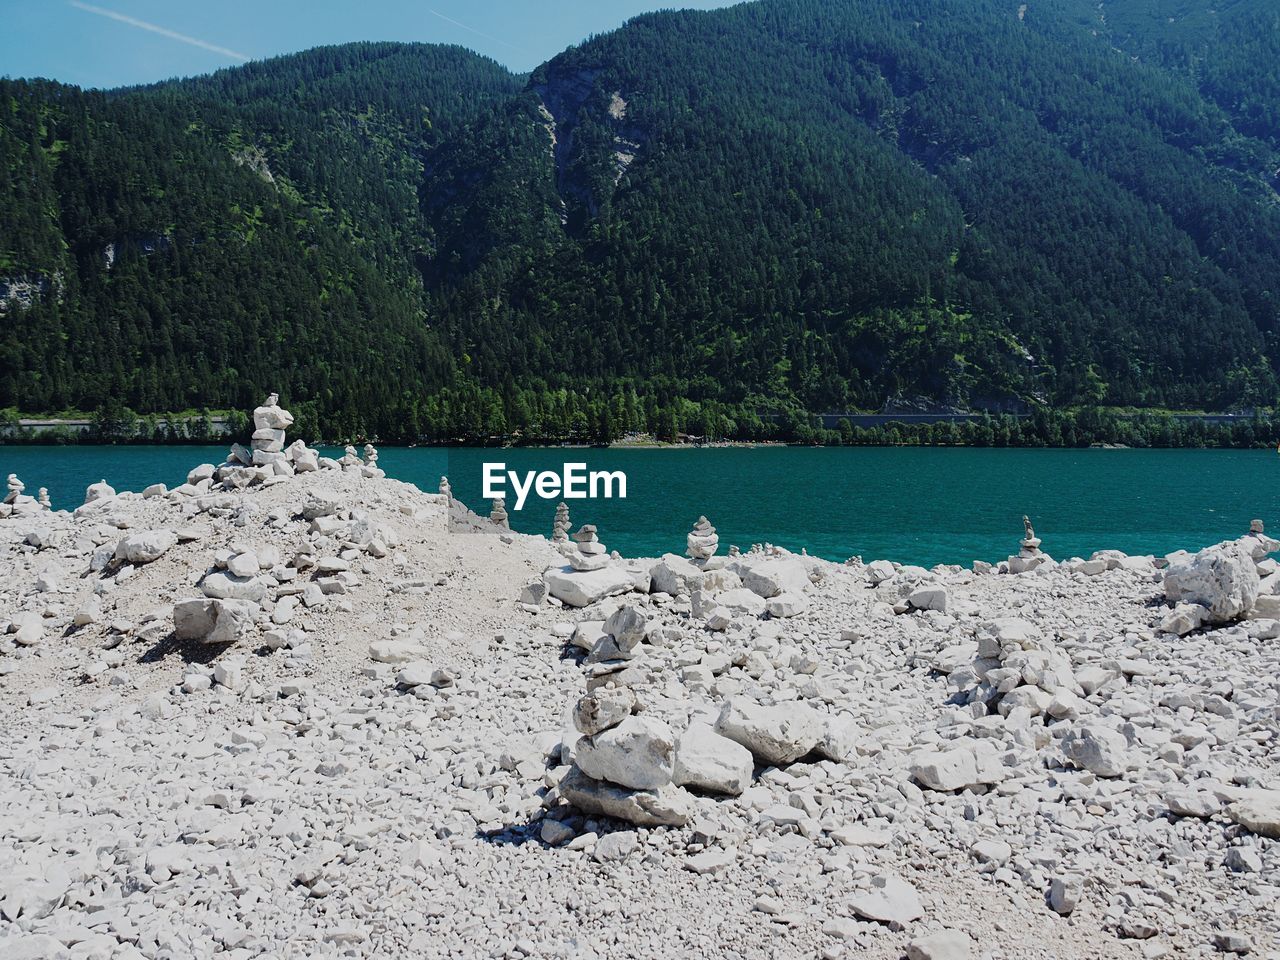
930,596
890,899
581,588
603,708
1098,749
667,805
775,735
1223,579
771,576
98,491
941,945
638,753
708,761
224,585
675,575
1259,812
970,764
786,605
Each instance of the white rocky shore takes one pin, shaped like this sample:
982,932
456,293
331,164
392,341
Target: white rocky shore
284,711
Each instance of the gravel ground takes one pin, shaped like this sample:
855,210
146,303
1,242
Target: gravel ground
379,774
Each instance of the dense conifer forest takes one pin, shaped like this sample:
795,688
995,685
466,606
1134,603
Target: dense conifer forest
709,223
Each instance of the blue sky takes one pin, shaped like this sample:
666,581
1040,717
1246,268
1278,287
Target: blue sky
106,43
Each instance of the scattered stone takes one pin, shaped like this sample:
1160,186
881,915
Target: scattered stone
942,945
889,900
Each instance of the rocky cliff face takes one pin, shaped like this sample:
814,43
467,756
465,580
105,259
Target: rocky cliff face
592,144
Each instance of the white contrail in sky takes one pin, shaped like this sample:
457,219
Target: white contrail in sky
473,30
171,34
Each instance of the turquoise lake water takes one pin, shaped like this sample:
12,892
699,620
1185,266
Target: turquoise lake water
915,505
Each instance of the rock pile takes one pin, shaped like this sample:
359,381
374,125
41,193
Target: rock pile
702,541
267,456
446,490
270,422
350,461
1029,556
498,515
371,470
588,552
561,525
17,503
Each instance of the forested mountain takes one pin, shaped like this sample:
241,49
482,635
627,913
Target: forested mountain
704,220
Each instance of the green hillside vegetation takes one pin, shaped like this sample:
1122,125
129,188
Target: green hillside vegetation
705,222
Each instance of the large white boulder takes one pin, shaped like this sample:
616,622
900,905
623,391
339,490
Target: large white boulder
1098,749
1223,579
213,620
929,596
224,585
674,575
98,491
775,735
941,945
581,588
969,764
28,628
638,753
1258,811
708,761
770,576
890,899
741,602
787,605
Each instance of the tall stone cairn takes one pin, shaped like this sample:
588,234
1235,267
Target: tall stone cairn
590,553
269,425
446,491
702,541
561,525
499,513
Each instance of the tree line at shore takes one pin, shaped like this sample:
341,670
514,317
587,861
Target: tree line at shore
564,418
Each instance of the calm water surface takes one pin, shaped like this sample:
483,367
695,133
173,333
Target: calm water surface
916,505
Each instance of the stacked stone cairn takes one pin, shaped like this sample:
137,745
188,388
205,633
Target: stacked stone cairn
371,470
446,491
1029,556
588,553
702,541
624,764
498,515
43,499
350,462
561,525
17,503
632,764
267,454
269,424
